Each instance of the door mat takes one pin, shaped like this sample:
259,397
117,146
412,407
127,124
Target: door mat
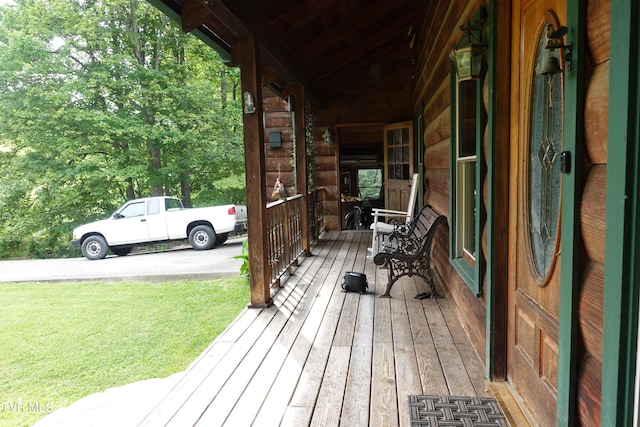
435,411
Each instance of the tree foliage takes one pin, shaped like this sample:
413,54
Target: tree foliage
103,102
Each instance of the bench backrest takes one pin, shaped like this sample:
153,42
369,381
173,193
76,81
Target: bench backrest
424,222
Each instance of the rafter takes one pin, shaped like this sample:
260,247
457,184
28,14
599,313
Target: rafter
243,20
374,41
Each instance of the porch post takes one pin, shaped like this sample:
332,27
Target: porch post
259,269
301,164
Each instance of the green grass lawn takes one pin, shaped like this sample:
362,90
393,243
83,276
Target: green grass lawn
60,342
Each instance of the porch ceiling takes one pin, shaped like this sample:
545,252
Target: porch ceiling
318,44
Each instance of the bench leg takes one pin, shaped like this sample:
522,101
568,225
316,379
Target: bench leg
392,279
412,270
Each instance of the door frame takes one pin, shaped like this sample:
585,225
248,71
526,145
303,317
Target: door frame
622,247
399,185
497,289
497,176
572,186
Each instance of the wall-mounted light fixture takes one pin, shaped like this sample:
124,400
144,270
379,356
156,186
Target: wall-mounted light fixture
328,136
470,52
249,104
554,41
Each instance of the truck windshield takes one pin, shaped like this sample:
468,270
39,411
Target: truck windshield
172,204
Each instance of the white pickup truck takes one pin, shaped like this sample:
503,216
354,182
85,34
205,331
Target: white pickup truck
156,219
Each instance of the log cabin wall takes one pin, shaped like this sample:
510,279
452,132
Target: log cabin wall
278,161
440,33
592,210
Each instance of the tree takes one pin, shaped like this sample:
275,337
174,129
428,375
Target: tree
105,102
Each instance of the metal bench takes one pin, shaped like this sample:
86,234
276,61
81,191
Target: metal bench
408,250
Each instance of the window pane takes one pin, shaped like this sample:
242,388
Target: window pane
397,137
134,209
467,191
153,207
405,171
172,204
466,118
405,136
466,211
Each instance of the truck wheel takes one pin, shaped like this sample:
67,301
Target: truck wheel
221,238
202,237
95,247
121,251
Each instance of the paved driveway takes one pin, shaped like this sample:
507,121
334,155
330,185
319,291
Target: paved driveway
169,265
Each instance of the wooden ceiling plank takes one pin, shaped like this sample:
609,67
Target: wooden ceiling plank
364,61
370,19
243,19
300,15
374,42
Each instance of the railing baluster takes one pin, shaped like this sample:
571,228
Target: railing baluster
285,230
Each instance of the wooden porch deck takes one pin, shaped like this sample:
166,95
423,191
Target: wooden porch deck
323,357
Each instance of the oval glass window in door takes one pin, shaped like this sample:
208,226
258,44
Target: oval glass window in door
545,145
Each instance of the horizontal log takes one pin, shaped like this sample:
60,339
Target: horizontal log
442,36
589,392
485,95
437,182
275,105
332,222
330,208
435,12
323,149
592,213
599,30
326,179
278,120
325,163
279,156
596,115
590,308
438,129
438,155
438,101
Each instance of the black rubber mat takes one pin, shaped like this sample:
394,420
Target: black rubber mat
451,411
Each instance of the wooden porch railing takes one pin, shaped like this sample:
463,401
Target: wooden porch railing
285,231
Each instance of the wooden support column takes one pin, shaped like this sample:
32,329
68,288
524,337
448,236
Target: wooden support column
259,268
301,164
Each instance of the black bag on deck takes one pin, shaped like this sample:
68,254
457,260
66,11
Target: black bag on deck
355,282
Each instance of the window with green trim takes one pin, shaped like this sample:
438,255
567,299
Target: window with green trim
467,120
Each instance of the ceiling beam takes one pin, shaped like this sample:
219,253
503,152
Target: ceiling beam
193,14
243,19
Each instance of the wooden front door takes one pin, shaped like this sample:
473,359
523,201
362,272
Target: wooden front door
537,101
398,161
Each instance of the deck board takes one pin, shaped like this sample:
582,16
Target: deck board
323,357
244,413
